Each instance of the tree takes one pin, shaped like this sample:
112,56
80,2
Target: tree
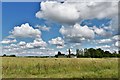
77,53
69,53
4,55
92,52
100,52
114,54
107,54
59,53
86,53
119,51
96,53
12,56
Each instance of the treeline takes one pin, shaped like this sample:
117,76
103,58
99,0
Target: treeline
4,55
95,53
86,53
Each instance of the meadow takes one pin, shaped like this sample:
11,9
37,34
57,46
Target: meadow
14,67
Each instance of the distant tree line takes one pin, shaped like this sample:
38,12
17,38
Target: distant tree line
95,53
70,55
86,53
4,55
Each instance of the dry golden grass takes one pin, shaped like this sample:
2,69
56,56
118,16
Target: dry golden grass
59,67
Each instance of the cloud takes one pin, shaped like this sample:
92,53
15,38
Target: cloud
24,47
37,43
72,12
63,13
43,28
8,41
102,32
59,42
13,45
103,41
109,47
96,8
22,43
89,0
77,33
117,44
116,37
60,46
104,46
17,50
29,46
25,30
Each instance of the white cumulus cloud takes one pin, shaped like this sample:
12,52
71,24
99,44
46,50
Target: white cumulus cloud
25,30
39,43
116,37
102,32
103,46
22,43
59,42
117,44
77,33
63,13
104,41
8,41
71,12
43,28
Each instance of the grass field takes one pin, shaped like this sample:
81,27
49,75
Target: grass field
59,67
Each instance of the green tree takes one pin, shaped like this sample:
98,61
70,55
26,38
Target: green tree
4,55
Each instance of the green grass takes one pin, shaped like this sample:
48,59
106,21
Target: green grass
59,67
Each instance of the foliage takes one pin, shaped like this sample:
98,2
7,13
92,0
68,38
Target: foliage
4,55
95,53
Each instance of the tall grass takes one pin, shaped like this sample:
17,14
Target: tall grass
59,67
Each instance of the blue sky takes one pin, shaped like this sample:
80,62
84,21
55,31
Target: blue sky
14,14
50,28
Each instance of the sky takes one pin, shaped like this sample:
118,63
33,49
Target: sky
46,27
